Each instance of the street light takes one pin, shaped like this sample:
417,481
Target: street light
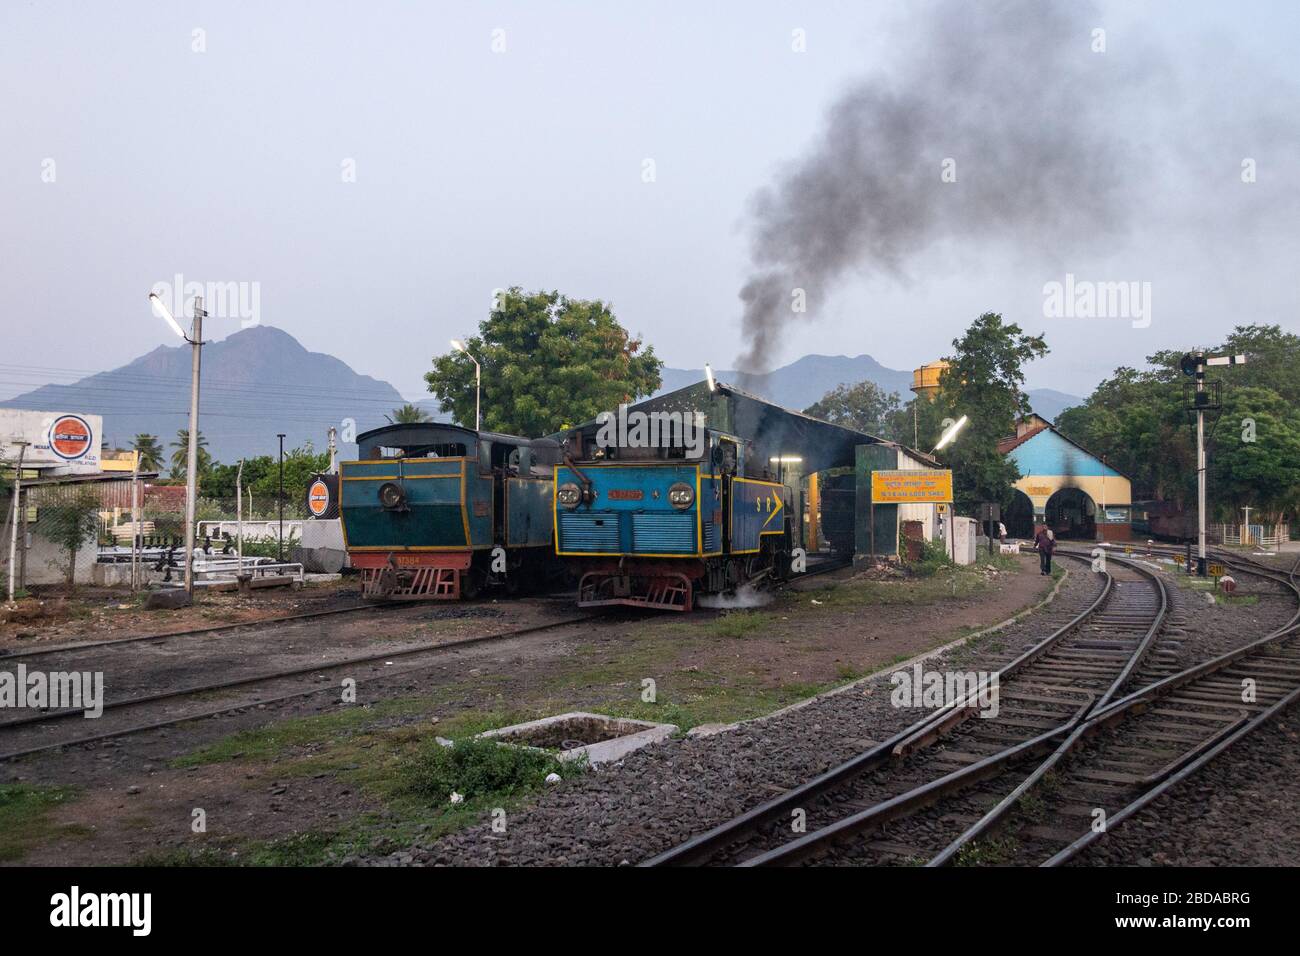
195,338
459,346
945,439
951,433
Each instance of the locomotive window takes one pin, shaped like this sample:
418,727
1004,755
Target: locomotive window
441,450
727,462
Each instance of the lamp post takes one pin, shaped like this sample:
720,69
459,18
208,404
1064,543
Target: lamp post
945,440
195,338
279,547
459,346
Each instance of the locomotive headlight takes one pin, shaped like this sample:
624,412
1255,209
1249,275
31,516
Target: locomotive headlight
568,495
392,497
681,495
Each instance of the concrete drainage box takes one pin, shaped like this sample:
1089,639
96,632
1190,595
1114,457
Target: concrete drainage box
597,737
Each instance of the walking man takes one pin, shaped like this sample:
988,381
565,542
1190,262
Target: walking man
1045,542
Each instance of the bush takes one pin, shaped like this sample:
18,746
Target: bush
477,768
934,555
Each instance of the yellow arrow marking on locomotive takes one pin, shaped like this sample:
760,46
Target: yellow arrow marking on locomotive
776,504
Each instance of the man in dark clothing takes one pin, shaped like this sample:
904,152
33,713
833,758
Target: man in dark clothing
1046,544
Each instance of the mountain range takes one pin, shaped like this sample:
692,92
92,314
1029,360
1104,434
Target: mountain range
805,380
261,381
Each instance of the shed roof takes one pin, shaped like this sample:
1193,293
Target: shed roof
775,431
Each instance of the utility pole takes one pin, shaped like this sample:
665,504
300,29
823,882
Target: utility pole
195,338
13,529
1246,536
192,468
1203,400
135,524
279,548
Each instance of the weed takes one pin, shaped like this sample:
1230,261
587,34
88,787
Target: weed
478,768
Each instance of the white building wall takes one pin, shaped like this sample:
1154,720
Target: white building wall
928,515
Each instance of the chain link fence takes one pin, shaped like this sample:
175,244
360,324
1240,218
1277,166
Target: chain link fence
81,537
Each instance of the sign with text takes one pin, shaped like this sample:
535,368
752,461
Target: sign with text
63,442
911,487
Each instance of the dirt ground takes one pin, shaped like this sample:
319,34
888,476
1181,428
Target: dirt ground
313,780
96,614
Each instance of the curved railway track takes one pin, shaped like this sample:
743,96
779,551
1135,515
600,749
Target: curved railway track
1040,795
1055,683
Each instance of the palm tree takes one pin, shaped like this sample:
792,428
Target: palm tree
180,457
408,414
150,452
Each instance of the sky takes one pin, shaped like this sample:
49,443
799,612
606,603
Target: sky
372,173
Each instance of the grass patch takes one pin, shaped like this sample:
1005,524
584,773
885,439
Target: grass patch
25,818
987,852
264,743
737,624
478,768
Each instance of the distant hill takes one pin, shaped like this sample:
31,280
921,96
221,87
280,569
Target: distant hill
261,381
255,383
804,381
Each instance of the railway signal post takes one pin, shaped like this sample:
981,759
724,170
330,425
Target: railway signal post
1203,400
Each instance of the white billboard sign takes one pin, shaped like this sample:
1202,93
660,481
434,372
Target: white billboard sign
63,442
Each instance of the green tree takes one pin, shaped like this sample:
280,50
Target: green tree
547,360
408,415
1256,454
220,481
69,521
150,451
300,464
1138,420
864,406
181,451
984,382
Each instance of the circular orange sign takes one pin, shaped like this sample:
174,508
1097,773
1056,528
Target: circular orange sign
70,437
318,498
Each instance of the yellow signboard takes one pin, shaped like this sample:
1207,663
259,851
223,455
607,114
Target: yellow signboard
911,487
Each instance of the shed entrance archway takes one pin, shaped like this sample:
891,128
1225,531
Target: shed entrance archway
1019,516
1071,513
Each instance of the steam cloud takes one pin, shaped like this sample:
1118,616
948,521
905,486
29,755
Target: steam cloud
1009,90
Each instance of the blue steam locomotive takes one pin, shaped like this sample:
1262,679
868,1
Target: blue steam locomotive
656,524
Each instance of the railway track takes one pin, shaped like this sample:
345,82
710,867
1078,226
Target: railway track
43,722
1046,799
39,724
29,652
1159,736
1055,683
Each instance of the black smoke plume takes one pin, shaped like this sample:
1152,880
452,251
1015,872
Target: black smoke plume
1012,92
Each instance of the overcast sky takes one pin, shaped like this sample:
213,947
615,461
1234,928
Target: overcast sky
130,156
